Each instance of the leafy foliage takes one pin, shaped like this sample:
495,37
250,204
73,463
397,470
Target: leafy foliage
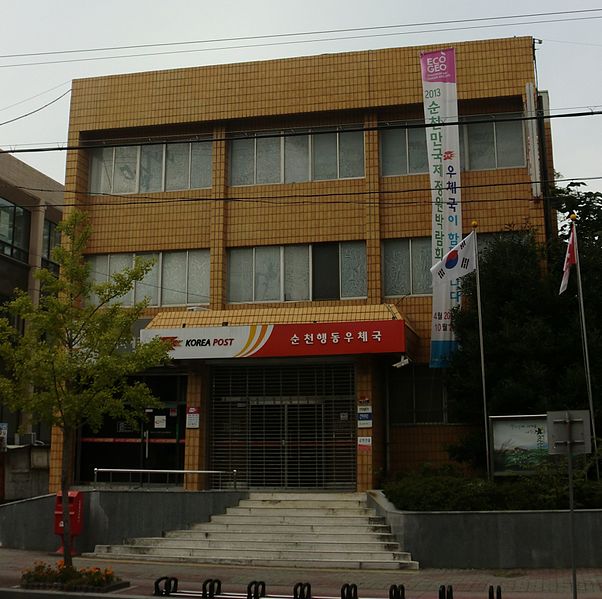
67,577
448,489
74,362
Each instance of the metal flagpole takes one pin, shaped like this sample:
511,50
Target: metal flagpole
480,318
588,379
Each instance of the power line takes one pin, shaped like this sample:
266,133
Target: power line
296,34
34,96
468,119
296,42
36,110
305,198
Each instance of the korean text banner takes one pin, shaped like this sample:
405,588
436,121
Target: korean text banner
443,146
276,340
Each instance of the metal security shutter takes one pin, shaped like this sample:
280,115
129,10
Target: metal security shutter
285,426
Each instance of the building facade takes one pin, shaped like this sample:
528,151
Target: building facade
30,210
286,205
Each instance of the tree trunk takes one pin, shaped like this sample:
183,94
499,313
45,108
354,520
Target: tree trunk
66,465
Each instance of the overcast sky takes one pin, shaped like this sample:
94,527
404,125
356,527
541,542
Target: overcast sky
568,60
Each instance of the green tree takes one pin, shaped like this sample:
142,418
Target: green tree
532,336
76,362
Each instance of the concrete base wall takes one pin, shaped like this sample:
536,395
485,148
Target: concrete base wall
111,516
530,539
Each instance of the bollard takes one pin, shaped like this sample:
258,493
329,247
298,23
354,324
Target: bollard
450,592
211,588
349,591
498,592
256,589
442,592
397,591
302,590
170,586
490,593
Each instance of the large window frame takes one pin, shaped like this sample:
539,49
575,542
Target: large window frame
417,279
501,129
104,265
15,231
242,262
141,174
295,158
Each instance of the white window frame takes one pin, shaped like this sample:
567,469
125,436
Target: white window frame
411,263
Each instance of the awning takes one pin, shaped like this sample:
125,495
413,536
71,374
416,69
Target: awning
283,332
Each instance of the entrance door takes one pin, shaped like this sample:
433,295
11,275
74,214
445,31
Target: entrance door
162,432
285,427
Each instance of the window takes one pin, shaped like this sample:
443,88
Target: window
323,271
150,168
490,145
308,155
14,230
498,144
51,239
406,266
403,150
175,278
416,395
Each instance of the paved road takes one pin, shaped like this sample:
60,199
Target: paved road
423,584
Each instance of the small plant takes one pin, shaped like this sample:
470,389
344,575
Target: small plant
67,577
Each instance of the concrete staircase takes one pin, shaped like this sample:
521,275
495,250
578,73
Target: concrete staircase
295,530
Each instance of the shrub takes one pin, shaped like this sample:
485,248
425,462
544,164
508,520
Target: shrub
67,577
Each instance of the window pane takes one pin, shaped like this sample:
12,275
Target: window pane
7,220
151,168
200,170
101,170
393,160
421,265
173,278
418,162
509,142
149,286
21,234
125,178
198,277
242,161
430,395
177,166
268,159
99,272
240,275
267,273
325,271
324,150
296,273
351,154
353,269
296,158
118,263
481,154
396,266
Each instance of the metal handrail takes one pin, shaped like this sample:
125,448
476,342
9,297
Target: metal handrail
149,471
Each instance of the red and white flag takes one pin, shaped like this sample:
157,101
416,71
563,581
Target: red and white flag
569,260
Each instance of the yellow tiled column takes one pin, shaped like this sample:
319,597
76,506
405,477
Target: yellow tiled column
194,453
56,451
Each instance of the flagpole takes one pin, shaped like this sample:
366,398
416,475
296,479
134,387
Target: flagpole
588,379
480,319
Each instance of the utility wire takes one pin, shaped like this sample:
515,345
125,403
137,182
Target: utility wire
305,198
295,42
296,34
467,119
18,118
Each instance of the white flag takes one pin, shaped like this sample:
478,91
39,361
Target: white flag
459,261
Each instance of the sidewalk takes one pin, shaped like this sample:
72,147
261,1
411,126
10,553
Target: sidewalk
421,584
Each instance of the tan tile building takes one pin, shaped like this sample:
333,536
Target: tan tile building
287,206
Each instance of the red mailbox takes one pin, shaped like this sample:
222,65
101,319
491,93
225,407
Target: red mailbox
76,516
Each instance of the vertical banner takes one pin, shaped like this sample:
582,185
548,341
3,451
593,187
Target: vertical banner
443,146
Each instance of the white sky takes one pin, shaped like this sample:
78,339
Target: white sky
568,61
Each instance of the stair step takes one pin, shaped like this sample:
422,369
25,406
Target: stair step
285,510
283,545
281,563
277,536
292,519
249,553
305,496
